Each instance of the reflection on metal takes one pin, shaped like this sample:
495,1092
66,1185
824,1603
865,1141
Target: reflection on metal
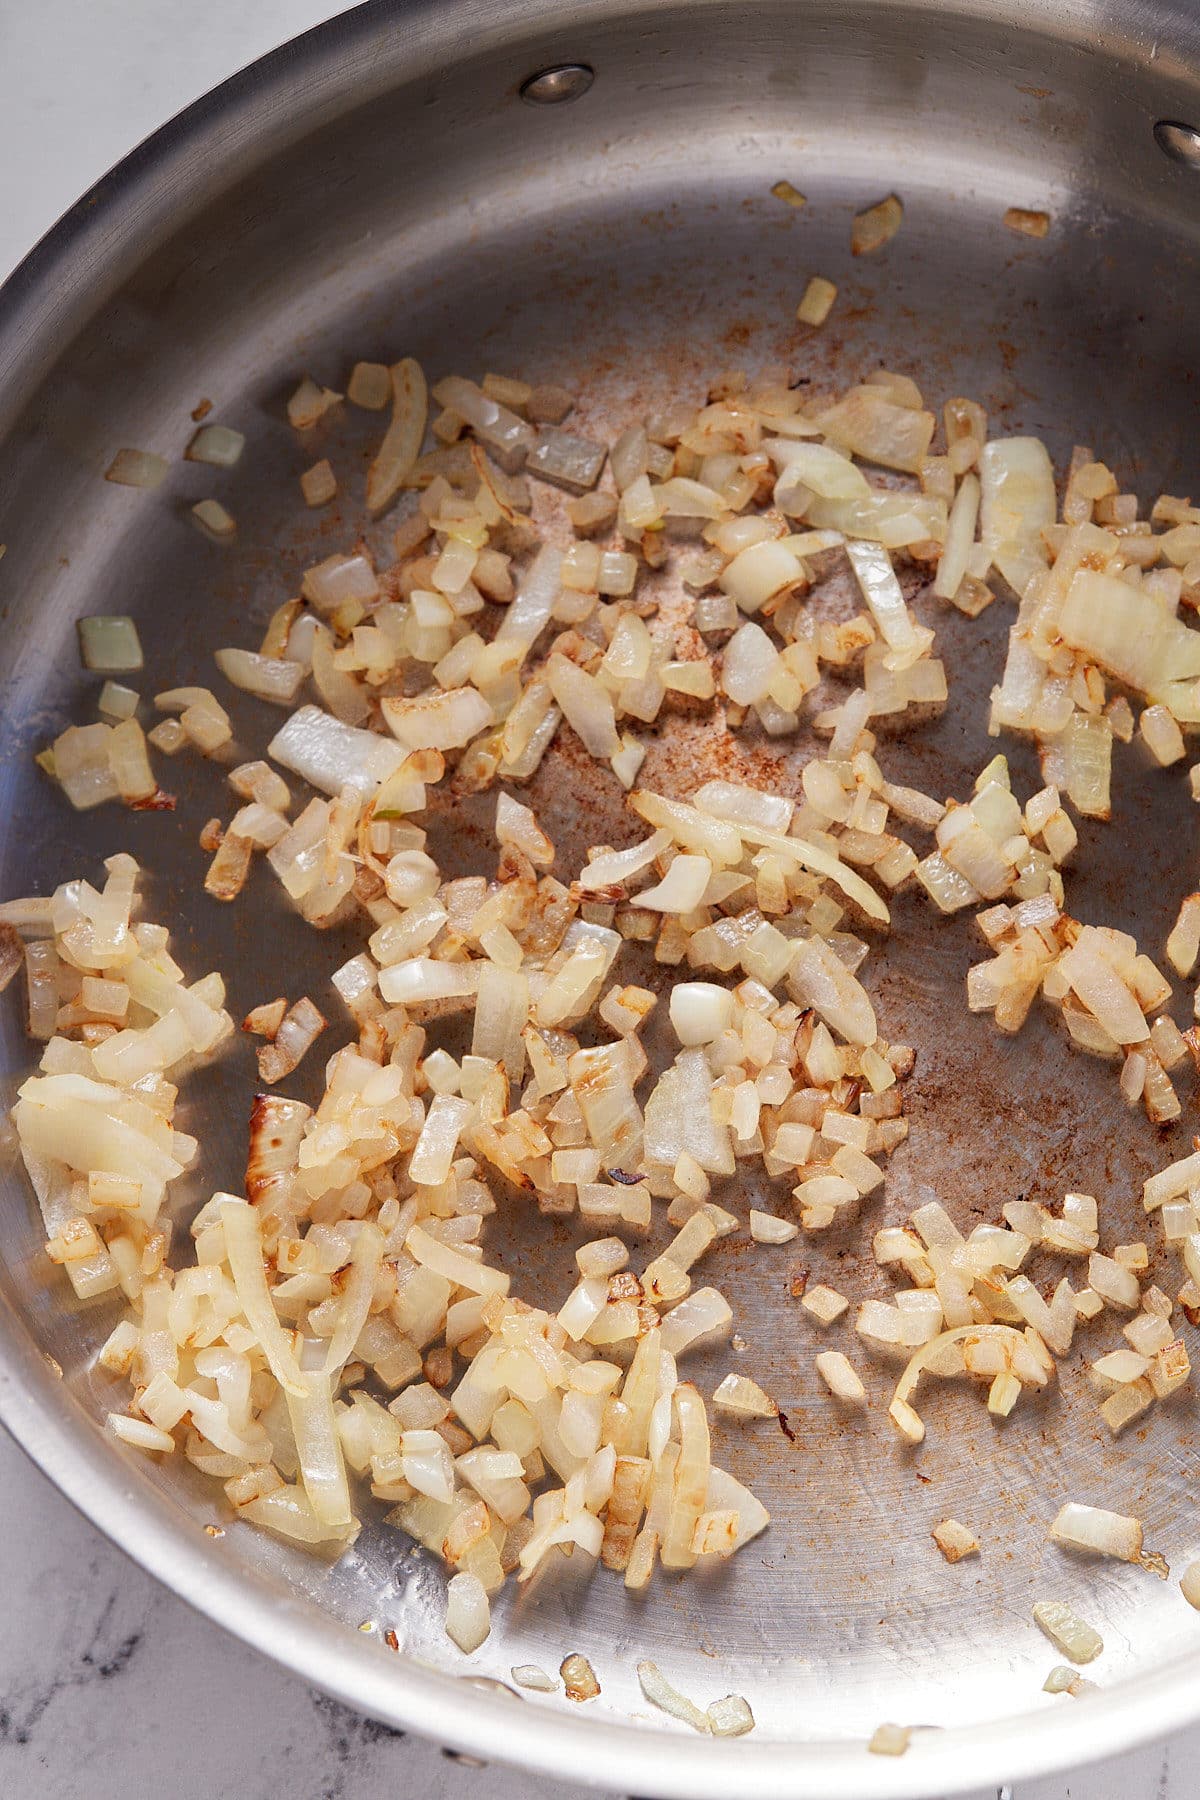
554,87
1180,142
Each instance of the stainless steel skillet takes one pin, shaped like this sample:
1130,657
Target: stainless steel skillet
380,188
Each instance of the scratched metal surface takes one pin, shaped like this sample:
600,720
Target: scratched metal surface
628,247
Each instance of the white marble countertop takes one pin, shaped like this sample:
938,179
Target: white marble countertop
109,1686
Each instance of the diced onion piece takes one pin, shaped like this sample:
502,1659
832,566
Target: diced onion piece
529,1675
1067,1632
288,1512
438,721
214,518
682,887
1018,502
1026,223
1131,635
468,1613
1093,1528
866,422
243,1243
271,678
319,483
140,1433
766,1228
749,665
369,386
954,1540
730,1717
579,1678
402,442
586,705
109,645
743,1398
309,404
137,469
1092,976
301,1026
817,977
1183,945
760,572
890,1740
700,1010
817,301
332,755
1189,1584
960,539
824,1303
660,1693
880,589
216,444
871,229
1161,736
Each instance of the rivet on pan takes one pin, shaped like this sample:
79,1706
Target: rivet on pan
554,87
1180,142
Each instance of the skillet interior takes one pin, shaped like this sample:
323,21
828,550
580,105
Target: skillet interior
628,246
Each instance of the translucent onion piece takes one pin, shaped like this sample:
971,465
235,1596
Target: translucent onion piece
318,1448
243,1245
468,1614
216,444
1067,1632
870,425
873,228
137,468
1092,1528
402,443
438,721
1018,502
660,1693
332,755
109,645
266,677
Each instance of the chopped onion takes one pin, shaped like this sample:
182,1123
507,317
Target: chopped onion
890,1740
309,404
109,645
743,1398
1067,1632
441,721
1026,223
660,1693
266,677
1017,503
730,1717
954,1540
402,442
300,1028
214,518
529,1675
370,386
137,468
468,1613
817,301
216,444
332,755
874,227
1092,1528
